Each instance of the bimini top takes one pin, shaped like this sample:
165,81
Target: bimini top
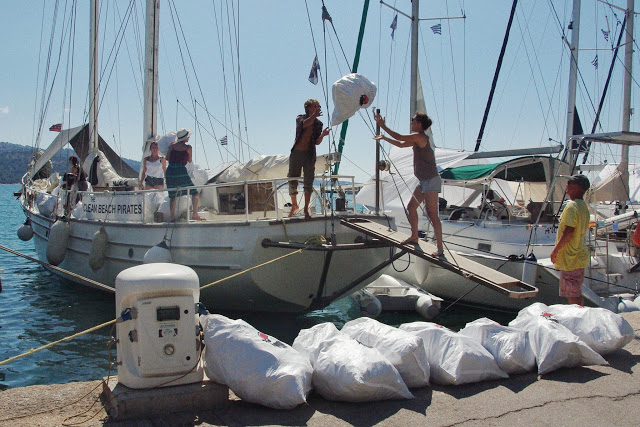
528,169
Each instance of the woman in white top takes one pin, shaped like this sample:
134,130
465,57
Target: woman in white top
154,169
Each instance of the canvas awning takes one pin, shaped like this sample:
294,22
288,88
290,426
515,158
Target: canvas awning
78,138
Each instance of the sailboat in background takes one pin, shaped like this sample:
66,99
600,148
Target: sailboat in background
258,259
498,213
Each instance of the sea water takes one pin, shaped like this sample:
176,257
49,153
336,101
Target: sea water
37,308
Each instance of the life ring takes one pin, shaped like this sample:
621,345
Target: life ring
57,245
98,249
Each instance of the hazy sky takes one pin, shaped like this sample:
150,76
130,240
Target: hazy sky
273,46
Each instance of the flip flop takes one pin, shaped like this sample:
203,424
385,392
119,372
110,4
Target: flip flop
410,242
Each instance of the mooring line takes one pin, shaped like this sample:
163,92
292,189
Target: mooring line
95,328
61,270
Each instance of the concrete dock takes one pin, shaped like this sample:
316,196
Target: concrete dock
595,395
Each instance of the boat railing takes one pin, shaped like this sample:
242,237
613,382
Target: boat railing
263,199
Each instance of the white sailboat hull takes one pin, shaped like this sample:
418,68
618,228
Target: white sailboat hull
217,250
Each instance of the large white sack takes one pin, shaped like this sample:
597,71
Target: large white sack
404,350
309,341
347,371
255,366
454,358
350,93
601,329
180,210
509,346
554,345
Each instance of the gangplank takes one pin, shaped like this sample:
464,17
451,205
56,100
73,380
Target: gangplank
453,261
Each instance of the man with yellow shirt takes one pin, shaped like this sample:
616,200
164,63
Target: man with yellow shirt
571,255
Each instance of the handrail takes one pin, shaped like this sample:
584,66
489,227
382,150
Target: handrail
275,182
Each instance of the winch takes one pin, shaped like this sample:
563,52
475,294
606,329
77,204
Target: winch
157,329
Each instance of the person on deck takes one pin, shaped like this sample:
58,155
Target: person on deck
570,254
178,155
424,168
79,175
154,169
309,133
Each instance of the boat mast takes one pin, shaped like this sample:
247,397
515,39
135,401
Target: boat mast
573,78
93,77
415,18
151,72
626,97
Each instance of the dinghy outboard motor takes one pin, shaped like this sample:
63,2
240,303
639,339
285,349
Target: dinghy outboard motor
157,329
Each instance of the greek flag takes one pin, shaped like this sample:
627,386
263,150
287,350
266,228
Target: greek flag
437,29
313,75
605,34
223,140
394,25
595,62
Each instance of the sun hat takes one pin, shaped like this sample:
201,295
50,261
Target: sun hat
183,134
581,180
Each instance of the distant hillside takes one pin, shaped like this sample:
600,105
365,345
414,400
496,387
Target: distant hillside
14,159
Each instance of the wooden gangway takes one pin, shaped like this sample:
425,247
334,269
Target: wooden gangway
452,261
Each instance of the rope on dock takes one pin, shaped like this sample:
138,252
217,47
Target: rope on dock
61,270
31,351
95,328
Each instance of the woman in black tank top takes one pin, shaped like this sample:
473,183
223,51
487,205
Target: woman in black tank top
425,169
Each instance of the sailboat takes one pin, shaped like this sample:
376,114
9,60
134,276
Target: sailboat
247,254
497,214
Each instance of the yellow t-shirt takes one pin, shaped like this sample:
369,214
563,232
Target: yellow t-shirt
574,254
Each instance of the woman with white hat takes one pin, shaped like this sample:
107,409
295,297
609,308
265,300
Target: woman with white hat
178,155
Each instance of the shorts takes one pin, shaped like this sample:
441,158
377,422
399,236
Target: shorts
431,184
153,182
305,162
571,283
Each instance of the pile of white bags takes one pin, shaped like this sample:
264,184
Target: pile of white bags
404,350
454,358
509,346
602,330
554,345
345,370
256,367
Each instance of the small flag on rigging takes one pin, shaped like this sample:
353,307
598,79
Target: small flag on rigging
394,25
325,15
56,128
313,75
595,62
223,140
437,29
605,34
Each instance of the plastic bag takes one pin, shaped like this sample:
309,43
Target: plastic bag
350,93
601,329
404,350
454,358
255,366
347,371
554,345
509,346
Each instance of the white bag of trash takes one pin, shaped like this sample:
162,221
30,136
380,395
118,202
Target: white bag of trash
347,371
601,329
255,366
350,93
509,346
454,358
308,342
554,345
404,350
